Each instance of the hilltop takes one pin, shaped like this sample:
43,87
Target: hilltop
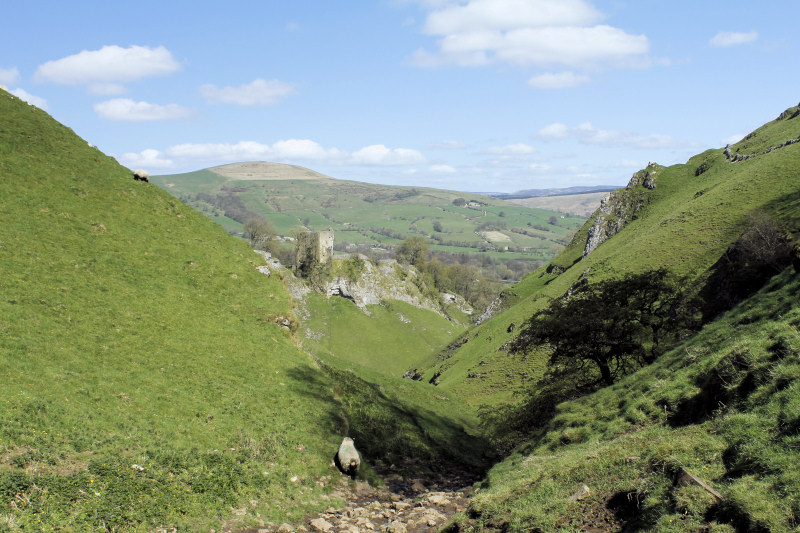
372,219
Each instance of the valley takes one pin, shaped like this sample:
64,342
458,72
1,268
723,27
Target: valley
160,375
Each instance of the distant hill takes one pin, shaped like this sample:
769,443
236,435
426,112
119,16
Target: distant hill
366,216
581,204
565,191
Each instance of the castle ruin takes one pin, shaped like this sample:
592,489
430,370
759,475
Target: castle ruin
313,247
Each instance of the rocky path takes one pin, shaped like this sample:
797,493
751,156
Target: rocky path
406,505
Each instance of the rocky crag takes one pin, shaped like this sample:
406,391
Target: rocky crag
620,207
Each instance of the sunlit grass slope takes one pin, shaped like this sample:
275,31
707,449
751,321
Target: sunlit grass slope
724,406
695,212
144,381
135,332
392,338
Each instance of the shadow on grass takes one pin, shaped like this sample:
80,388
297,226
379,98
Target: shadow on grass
390,430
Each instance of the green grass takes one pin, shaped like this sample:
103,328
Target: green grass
686,224
133,331
723,406
393,337
358,212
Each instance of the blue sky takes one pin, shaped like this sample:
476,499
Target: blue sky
469,95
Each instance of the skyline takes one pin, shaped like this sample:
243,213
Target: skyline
478,95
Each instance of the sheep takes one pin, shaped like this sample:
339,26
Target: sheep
141,175
347,458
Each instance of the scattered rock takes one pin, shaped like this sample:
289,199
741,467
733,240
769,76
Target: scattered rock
321,525
583,492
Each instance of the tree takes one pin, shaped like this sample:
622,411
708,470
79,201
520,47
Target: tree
605,330
553,220
259,230
414,251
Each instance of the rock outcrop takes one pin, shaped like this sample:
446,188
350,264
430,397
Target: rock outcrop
387,280
620,207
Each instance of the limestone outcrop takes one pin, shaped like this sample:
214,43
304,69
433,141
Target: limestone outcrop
620,207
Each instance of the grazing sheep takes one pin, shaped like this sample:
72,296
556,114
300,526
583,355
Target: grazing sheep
347,458
141,175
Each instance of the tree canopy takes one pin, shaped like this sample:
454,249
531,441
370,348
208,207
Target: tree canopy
602,331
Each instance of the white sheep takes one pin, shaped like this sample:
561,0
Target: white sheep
141,175
347,458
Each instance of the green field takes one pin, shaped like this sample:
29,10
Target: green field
379,215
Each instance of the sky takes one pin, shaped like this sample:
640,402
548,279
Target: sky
467,95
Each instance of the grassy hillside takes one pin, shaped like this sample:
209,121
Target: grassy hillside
724,406
376,215
145,382
685,224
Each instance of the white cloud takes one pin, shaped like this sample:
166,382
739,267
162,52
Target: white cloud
128,110
558,80
198,155
586,133
442,169
379,155
146,159
512,149
731,38
258,92
103,71
9,75
478,15
553,131
528,32
22,94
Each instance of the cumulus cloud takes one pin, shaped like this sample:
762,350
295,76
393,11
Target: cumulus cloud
9,75
126,109
558,80
379,155
553,131
528,33
22,94
104,71
732,38
258,92
284,151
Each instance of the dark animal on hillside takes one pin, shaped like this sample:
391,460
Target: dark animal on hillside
142,175
347,459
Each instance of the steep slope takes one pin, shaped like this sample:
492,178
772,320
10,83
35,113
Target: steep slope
682,217
145,381
705,439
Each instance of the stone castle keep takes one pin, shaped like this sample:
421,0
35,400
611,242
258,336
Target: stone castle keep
313,247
